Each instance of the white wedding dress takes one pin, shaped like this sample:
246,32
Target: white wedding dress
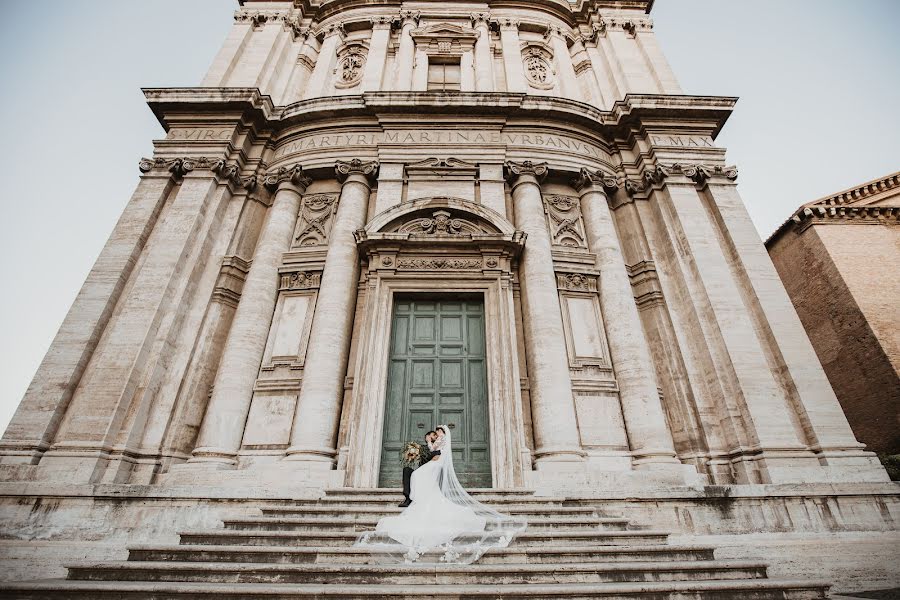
443,524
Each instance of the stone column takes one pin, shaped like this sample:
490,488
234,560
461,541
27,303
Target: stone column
556,436
314,433
484,62
648,432
318,83
512,56
302,70
378,45
568,82
223,426
405,51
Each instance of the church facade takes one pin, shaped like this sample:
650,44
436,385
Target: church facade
369,221
372,219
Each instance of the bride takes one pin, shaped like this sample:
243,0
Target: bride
443,524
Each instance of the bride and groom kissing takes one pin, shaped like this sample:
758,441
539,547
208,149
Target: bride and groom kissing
440,522
431,451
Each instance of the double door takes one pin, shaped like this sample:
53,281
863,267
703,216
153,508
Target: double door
437,376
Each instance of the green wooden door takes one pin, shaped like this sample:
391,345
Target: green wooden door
437,375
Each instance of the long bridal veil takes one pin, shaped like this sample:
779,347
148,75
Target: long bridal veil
454,527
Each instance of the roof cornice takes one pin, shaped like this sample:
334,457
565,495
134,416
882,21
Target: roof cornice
840,206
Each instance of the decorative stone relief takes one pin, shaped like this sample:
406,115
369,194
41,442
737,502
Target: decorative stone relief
181,166
316,217
444,39
293,175
578,282
515,170
564,220
441,223
537,60
586,177
351,63
300,280
344,168
428,264
258,18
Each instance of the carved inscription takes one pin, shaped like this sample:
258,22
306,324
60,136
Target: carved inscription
682,141
199,134
439,136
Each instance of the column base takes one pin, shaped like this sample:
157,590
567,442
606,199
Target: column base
546,458
317,458
214,458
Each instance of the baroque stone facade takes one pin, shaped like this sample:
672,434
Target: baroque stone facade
626,337
839,281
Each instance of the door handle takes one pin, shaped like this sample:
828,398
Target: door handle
451,425
420,425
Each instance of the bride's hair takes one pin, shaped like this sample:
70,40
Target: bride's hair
441,429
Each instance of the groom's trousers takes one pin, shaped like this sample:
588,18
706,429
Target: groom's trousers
407,476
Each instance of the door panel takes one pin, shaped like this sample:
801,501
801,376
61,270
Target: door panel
437,376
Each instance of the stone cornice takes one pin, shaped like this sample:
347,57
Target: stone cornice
840,207
624,115
656,175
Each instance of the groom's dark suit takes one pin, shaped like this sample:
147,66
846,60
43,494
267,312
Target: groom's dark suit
408,471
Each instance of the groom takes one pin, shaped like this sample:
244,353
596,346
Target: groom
424,457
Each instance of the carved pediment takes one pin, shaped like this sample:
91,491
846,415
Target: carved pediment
444,39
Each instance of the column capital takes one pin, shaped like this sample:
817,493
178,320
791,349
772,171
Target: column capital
381,22
332,29
519,172
480,18
508,24
409,16
365,170
587,180
287,177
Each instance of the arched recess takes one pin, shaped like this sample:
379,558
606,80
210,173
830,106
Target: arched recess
435,246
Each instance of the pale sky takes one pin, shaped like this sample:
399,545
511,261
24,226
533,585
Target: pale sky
819,111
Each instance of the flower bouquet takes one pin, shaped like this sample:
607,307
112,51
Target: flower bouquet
410,454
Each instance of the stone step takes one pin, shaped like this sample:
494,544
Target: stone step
352,511
343,538
351,555
744,589
395,499
367,523
228,572
392,491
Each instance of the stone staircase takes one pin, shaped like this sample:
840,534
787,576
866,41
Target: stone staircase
304,551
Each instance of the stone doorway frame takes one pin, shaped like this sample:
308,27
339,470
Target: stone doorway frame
404,263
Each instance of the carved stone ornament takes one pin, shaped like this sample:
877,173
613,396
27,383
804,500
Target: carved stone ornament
316,217
181,166
351,63
564,220
515,170
368,169
441,223
537,60
293,175
587,178
300,280
700,174
429,264
578,282
258,18
229,172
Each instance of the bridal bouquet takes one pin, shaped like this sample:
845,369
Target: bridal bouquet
410,454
